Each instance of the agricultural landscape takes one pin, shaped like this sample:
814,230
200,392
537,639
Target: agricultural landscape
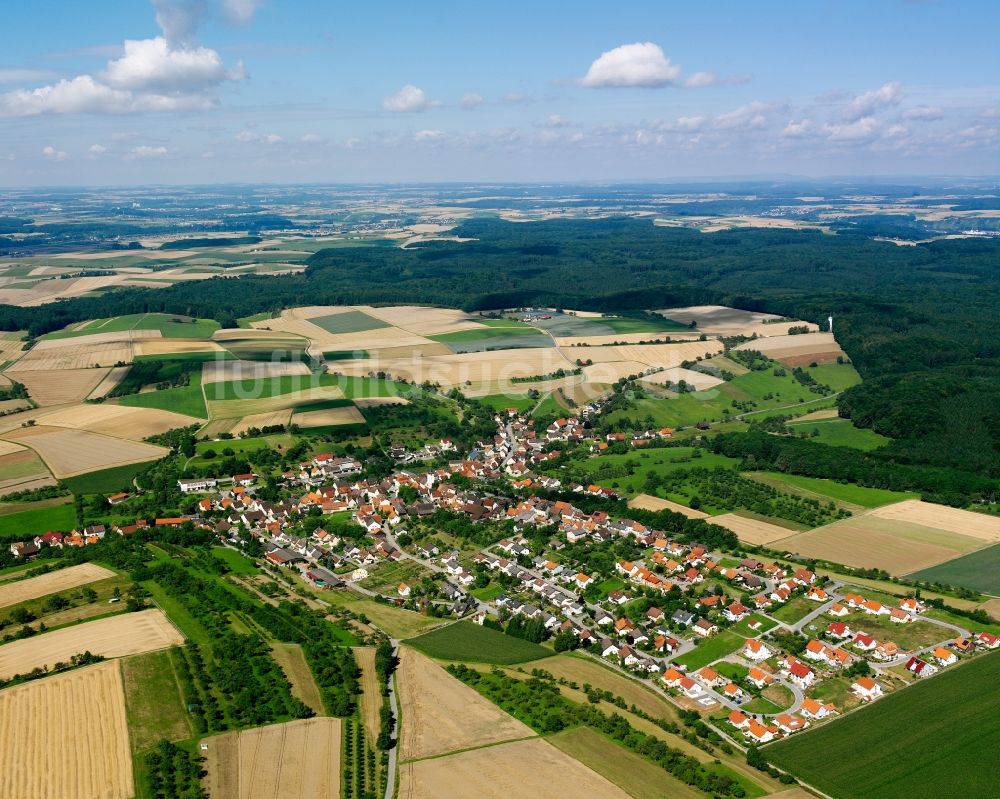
325,537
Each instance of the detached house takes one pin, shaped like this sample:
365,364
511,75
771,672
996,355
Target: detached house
866,689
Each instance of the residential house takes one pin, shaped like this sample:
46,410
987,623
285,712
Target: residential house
813,709
866,689
704,628
756,650
920,668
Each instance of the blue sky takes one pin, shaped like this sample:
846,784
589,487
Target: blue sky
181,91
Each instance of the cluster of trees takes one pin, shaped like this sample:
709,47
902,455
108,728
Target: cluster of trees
173,773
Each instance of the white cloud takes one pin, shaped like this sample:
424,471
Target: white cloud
311,138
556,121
248,136
97,149
870,103
146,151
858,130
689,123
240,12
798,128
642,64
925,113
408,100
896,132
471,100
53,154
516,98
165,73
428,135
701,79
272,138
748,117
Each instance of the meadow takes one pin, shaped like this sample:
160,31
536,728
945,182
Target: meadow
467,641
882,751
848,494
840,433
26,523
187,399
711,649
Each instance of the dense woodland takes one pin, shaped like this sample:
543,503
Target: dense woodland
918,322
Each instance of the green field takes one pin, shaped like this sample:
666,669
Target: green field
259,389
935,738
494,338
824,490
153,702
240,564
345,355
794,609
106,481
183,399
621,324
710,649
978,571
502,402
490,332
29,523
169,325
365,387
840,433
348,322
470,642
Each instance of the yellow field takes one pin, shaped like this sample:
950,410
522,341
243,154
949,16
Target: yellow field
82,352
9,448
442,714
752,531
45,584
71,452
516,770
58,387
114,377
718,319
371,402
617,338
66,736
872,541
329,416
226,409
119,421
424,321
796,350
293,663
115,636
371,689
294,760
941,517
219,371
259,420
172,346
647,502
698,380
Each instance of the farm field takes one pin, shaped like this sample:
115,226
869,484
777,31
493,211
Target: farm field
21,467
889,538
119,421
168,326
853,497
648,502
470,642
721,320
394,621
104,481
225,409
840,433
188,400
12,593
517,770
978,571
153,700
879,753
371,695
348,321
84,705
70,452
294,760
59,386
441,714
752,531
328,417
293,664
115,636
797,350
38,520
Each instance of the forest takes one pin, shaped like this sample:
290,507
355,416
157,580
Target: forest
917,322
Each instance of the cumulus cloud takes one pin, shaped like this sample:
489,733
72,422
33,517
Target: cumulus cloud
701,79
428,135
798,129
748,117
53,154
858,130
556,121
471,100
240,12
870,103
97,149
408,100
146,151
642,64
311,138
248,136
924,113
165,73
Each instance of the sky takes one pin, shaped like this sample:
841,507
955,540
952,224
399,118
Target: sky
130,92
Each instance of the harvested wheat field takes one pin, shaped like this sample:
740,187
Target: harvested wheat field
175,346
9,448
71,452
371,689
421,350
371,402
113,637
229,409
294,760
796,350
752,531
873,542
329,416
66,736
647,502
610,371
59,387
221,371
698,380
586,342
259,420
817,416
45,584
441,714
114,377
82,352
718,319
941,517
424,321
119,421
516,770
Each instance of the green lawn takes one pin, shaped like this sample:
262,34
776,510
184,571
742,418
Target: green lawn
978,571
711,649
238,563
794,609
489,593
29,523
824,490
470,642
881,751
183,399
840,433
106,481
348,322
743,627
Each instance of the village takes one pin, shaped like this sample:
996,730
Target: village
703,625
